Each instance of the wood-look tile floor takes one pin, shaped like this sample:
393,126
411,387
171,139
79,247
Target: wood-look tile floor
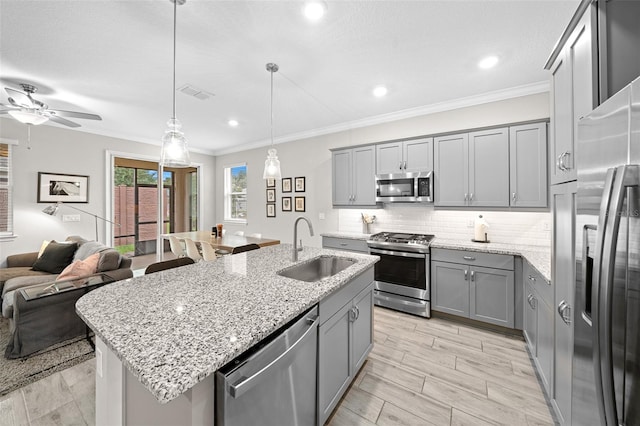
420,372
441,372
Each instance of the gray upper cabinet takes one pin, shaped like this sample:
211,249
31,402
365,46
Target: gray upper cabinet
574,95
451,170
414,155
528,165
472,169
354,176
489,168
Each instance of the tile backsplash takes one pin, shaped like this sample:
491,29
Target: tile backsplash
529,228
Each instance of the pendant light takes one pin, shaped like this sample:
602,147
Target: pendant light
272,164
174,145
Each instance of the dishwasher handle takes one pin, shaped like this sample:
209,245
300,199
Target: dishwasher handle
284,359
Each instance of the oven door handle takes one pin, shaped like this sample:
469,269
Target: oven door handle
398,253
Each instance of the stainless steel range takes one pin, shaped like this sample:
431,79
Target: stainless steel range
402,277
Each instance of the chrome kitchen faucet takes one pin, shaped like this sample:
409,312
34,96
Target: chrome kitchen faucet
295,236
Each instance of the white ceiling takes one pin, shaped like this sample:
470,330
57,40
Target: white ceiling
114,58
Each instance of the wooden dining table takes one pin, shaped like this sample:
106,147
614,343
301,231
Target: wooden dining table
227,242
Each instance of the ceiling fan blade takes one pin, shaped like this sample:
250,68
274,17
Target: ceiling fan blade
75,114
63,121
18,98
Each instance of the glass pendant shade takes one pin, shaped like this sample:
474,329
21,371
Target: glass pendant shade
272,166
28,117
174,146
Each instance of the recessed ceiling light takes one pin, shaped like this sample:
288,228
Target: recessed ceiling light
233,123
488,62
379,91
314,10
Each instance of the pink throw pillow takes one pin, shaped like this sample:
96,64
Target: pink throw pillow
80,268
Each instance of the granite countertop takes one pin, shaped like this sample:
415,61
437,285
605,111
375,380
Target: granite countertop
172,329
538,256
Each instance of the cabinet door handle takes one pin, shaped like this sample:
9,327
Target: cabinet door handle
357,312
563,307
468,258
532,301
532,278
471,197
473,275
466,196
352,314
466,273
566,154
400,166
404,165
513,197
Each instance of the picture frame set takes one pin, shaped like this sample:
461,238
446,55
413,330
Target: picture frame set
287,203
67,188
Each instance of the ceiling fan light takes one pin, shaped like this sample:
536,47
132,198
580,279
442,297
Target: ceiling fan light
272,165
175,152
28,117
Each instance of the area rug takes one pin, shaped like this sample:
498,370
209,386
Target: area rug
16,373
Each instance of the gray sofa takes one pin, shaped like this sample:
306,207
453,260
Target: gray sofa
39,323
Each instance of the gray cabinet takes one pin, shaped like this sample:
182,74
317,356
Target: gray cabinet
474,285
538,323
472,169
354,176
573,82
345,338
563,206
528,165
415,155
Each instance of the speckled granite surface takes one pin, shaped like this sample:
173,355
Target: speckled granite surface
539,257
173,328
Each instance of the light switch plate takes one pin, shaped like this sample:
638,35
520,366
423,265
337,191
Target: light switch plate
321,216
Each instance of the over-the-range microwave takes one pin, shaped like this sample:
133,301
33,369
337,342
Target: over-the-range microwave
416,187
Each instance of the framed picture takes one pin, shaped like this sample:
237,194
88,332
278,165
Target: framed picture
286,204
54,187
300,204
271,210
271,183
271,195
300,184
286,184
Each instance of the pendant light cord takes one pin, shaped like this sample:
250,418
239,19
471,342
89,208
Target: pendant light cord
175,13
271,107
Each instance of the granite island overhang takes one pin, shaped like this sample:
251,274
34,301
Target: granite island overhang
172,329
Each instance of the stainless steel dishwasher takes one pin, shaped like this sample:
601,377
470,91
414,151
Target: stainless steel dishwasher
274,384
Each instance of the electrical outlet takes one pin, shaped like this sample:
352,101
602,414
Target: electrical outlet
99,362
321,216
546,226
71,218
470,223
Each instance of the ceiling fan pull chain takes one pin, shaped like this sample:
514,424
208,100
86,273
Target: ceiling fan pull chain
29,136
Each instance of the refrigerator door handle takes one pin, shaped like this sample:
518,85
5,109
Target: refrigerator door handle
585,253
625,176
595,290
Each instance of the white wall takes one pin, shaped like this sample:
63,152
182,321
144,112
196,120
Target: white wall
311,158
59,150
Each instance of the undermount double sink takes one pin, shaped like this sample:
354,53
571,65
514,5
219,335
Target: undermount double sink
317,269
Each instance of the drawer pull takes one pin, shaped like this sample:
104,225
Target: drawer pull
343,244
468,258
532,278
532,301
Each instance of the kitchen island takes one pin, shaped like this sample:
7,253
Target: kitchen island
160,337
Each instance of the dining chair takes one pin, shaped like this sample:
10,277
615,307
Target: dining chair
247,247
192,249
255,235
168,264
176,246
208,252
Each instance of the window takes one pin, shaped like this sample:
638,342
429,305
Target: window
235,193
6,190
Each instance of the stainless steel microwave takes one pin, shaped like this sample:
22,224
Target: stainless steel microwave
414,187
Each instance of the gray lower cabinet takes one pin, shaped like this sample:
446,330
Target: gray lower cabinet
353,181
538,324
346,244
482,288
344,341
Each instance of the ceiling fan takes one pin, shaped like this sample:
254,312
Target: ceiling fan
28,110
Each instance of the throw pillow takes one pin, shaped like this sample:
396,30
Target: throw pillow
109,260
44,245
55,257
80,268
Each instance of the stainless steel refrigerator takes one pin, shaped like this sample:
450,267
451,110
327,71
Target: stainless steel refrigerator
606,359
